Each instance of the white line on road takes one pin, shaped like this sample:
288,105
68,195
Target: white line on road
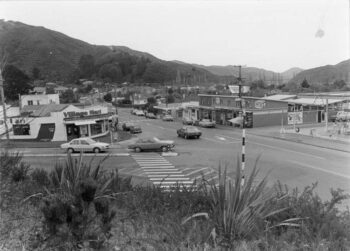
228,137
287,150
196,171
320,169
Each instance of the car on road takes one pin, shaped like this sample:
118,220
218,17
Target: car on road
206,123
149,144
127,125
168,118
139,113
189,132
150,115
343,116
135,129
133,111
188,121
85,145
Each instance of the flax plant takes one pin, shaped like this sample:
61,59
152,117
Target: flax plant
237,212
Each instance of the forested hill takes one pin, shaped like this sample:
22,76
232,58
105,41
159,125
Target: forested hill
326,74
56,56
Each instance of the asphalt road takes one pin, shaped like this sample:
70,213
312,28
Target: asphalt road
294,164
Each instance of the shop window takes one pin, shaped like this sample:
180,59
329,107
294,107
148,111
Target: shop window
96,128
84,131
23,129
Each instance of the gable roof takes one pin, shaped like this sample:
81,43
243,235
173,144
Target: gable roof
42,110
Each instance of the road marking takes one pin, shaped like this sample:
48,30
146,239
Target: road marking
75,154
287,150
221,138
196,171
320,169
229,137
169,178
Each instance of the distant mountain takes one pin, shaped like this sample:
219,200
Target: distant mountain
290,73
248,73
325,74
57,55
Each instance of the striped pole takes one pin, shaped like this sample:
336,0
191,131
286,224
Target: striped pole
243,150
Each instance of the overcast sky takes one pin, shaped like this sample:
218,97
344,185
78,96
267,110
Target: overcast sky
274,35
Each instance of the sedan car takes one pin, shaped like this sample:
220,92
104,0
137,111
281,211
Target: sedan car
135,129
139,113
149,144
127,125
189,132
188,121
150,115
207,123
85,145
168,118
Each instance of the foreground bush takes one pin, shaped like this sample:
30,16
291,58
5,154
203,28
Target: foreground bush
77,207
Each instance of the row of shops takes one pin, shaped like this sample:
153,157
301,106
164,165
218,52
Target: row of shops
267,111
60,122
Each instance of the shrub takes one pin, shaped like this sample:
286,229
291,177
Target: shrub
77,211
40,177
20,172
8,161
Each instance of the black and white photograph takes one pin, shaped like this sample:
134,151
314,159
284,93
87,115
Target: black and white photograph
175,125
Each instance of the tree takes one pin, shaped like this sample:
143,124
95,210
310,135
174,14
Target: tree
35,73
305,84
339,84
110,72
68,97
151,100
50,90
108,97
86,66
15,82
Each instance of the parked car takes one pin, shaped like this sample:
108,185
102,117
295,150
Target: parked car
135,129
133,111
189,132
343,116
168,118
207,123
150,115
85,145
152,144
139,113
188,121
127,125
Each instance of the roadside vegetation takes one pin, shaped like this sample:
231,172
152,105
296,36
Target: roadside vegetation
80,206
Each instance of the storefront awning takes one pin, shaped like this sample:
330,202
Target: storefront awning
84,122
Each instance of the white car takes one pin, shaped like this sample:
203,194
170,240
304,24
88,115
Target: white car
85,145
139,113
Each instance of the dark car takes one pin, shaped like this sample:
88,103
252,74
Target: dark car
189,132
127,125
148,144
135,129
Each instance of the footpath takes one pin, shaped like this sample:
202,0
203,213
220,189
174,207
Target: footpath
315,135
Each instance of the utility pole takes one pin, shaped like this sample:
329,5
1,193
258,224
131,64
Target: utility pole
243,120
4,106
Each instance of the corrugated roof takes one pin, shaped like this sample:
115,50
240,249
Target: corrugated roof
314,101
280,97
42,110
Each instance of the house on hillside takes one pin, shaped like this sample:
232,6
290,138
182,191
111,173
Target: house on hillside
38,99
60,89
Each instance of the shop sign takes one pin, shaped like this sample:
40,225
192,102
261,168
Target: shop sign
259,104
81,114
295,118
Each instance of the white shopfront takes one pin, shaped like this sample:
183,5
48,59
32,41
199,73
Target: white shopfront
71,122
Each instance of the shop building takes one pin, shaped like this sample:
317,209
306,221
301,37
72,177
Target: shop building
266,111
60,122
39,99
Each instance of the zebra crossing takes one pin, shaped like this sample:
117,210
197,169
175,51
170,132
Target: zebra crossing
160,171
